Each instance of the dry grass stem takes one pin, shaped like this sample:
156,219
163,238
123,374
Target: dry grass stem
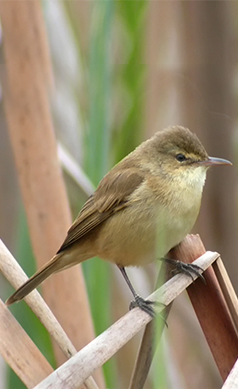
232,379
96,353
211,309
144,358
147,346
146,352
20,352
16,276
227,289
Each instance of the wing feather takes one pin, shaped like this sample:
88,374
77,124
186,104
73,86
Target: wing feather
111,196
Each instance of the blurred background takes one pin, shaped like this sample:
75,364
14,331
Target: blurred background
123,70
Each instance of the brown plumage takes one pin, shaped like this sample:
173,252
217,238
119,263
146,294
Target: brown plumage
141,209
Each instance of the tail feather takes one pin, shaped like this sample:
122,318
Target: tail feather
50,268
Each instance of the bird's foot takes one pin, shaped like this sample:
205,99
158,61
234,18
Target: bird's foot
186,268
144,305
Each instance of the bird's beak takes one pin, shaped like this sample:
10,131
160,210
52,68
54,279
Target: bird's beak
211,161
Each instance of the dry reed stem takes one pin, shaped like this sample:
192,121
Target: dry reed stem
16,276
97,352
232,379
188,251
20,352
10,268
211,309
144,358
227,289
146,352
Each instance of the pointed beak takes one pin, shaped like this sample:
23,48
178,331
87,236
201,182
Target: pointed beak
211,161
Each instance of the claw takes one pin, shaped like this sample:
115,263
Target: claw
144,305
186,268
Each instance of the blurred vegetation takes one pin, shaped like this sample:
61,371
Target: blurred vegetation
100,103
102,54
108,137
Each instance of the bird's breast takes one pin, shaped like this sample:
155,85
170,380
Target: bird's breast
148,227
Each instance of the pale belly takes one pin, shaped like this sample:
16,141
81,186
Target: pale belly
130,241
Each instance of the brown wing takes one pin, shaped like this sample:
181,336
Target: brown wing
110,197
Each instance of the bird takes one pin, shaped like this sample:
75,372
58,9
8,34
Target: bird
142,208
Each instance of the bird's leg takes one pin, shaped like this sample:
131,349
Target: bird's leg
186,268
144,305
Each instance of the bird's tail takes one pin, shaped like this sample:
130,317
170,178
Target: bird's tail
54,265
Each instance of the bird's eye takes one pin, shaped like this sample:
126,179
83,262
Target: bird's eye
180,157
